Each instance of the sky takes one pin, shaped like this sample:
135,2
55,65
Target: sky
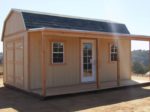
134,13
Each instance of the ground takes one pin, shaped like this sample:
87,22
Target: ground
134,99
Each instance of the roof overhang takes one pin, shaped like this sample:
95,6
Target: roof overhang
81,33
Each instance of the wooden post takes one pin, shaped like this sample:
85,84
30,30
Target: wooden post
149,58
97,63
43,65
118,64
29,74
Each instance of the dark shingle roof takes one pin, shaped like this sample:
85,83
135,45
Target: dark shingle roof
35,20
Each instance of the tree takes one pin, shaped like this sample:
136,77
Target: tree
138,68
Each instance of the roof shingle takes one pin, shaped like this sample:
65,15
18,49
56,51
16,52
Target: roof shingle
35,20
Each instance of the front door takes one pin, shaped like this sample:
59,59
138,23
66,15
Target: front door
88,60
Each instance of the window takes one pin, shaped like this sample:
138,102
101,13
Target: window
57,52
113,52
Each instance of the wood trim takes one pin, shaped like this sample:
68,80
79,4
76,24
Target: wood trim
29,74
80,80
63,86
97,64
14,66
130,61
140,38
149,57
13,34
23,64
43,65
13,39
118,65
85,35
5,60
80,33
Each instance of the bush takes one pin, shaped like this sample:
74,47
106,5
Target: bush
139,68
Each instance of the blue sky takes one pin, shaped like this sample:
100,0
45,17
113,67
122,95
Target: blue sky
134,13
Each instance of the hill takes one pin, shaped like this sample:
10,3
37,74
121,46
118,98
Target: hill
140,61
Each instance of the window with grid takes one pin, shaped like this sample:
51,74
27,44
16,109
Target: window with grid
57,52
113,52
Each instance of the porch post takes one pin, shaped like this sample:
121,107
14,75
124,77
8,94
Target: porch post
97,63
43,65
118,65
149,57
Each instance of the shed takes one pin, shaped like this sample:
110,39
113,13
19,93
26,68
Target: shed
51,54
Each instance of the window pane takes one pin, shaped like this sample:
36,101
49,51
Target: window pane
89,59
60,49
60,45
115,57
85,52
85,60
55,60
55,45
112,50
89,66
89,52
58,52
112,57
60,55
55,55
85,66
88,46
55,49
60,60
113,53
116,50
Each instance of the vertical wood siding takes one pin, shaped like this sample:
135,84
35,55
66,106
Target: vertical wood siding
14,24
35,60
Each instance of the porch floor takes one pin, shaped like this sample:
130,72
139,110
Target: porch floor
135,80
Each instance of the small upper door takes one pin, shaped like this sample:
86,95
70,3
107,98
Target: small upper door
88,60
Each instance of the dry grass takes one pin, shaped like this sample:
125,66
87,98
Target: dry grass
140,77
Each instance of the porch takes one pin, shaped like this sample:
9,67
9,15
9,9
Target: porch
135,80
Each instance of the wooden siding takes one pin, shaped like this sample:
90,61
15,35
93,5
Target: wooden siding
14,24
35,60
15,62
107,69
67,73
125,59
26,64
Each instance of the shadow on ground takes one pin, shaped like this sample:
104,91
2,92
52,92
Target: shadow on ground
25,103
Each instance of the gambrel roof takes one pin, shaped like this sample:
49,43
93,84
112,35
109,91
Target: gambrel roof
37,20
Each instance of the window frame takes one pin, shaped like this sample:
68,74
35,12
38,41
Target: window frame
113,53
52,52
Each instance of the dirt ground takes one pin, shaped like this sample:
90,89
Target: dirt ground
134,99
140,77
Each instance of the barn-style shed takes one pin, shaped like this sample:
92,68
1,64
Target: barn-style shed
51,54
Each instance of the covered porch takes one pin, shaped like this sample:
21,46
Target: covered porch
85,87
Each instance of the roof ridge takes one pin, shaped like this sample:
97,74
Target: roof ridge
66,16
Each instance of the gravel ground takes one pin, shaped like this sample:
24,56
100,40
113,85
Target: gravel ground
135,99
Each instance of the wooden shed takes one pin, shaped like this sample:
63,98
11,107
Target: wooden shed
51,54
